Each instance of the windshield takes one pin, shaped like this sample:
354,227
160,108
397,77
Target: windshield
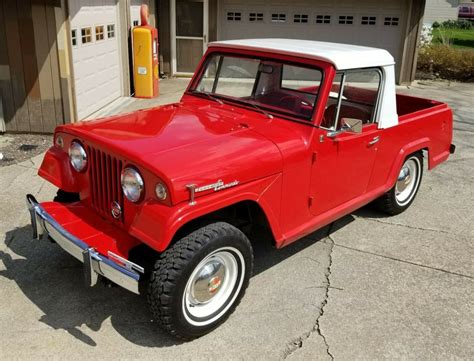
274,86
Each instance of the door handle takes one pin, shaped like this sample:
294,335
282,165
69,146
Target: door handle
374,140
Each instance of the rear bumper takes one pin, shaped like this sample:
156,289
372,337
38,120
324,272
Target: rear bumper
113,267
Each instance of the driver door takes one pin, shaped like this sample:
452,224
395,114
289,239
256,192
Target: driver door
341,167
342,164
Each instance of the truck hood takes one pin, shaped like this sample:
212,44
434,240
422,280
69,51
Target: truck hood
185,145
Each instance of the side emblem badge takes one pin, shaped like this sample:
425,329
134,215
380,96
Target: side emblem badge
116,210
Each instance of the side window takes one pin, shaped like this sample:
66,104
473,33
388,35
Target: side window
357,100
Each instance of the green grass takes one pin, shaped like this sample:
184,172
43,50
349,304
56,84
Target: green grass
458,38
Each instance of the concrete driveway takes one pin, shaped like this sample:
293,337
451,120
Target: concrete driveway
367,287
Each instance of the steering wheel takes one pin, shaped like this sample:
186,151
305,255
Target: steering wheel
294,103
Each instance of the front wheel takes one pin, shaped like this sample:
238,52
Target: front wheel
197,283
402,194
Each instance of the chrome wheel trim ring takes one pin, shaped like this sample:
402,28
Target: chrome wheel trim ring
201,308
407,181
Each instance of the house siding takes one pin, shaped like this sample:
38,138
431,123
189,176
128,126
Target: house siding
30,89
440,10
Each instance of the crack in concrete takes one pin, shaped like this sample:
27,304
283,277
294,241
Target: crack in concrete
297,343
403,225
404,261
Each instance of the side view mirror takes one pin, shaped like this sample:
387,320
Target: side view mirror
348,125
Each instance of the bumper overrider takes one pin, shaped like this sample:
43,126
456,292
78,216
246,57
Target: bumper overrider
113,267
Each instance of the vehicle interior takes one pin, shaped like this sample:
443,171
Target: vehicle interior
290,89
276,87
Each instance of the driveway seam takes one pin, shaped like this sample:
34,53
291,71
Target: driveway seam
404,261
404,225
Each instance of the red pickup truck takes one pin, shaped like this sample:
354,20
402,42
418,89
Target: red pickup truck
272,135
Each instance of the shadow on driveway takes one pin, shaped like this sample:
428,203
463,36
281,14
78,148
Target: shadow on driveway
53,281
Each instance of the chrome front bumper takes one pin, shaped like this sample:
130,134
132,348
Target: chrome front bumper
115,268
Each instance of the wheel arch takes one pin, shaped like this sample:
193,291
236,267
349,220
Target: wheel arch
421,145
247,215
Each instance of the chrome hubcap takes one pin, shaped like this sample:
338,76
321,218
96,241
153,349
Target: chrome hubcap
213,285
407,181
208,281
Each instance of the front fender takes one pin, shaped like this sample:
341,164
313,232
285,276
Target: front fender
156,224
56,169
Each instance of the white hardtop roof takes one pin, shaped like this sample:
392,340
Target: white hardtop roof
343,56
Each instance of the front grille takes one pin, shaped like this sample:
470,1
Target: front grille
104,175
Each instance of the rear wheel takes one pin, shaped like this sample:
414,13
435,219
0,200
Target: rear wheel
198,282
402,194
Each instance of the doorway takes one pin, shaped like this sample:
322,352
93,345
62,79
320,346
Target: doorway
189,34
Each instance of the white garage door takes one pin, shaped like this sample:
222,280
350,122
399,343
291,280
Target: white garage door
378,23
95,54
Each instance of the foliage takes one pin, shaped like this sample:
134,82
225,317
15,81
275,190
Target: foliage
453,24
426,36
455,37
446,62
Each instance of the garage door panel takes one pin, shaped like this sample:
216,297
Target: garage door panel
96,60
324,22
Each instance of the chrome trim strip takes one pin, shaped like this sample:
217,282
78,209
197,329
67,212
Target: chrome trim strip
94,263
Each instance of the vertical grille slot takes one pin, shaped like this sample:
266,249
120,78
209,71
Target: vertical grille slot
104,176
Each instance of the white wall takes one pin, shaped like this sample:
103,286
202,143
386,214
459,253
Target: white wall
440,10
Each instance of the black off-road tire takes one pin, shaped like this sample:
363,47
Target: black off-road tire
169,279
388,203
66,197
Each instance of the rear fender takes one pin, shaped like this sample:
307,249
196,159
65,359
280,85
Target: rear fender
156,224
410,148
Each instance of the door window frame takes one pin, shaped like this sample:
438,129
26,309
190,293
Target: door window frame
376,110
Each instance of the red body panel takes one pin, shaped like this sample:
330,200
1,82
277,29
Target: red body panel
301,179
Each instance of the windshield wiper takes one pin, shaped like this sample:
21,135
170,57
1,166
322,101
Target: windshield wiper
210,96
264,112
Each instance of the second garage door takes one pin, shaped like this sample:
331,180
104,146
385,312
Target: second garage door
377,23
95,54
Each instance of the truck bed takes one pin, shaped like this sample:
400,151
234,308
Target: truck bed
409,106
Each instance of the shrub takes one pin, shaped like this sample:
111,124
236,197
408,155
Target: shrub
447,62
454,24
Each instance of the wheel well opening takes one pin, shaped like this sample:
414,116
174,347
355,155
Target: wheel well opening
247,216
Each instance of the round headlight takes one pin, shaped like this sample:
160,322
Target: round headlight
77,156
132,184
161,192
